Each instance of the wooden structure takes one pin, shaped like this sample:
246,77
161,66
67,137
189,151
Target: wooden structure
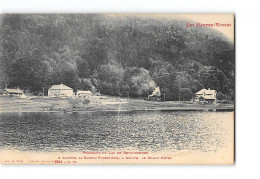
12,92
84,94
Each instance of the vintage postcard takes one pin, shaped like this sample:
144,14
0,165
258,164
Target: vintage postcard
117,88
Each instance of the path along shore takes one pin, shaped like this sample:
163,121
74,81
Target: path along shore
37,104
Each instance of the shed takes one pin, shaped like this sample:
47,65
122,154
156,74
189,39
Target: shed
12,92
84,94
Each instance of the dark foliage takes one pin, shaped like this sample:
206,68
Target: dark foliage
185,94
123,55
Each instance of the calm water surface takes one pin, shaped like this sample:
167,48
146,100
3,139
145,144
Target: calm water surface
145,131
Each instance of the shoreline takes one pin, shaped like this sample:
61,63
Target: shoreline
143,110
16,105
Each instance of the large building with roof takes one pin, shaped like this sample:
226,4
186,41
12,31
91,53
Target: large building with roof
60,91
206,95
12,92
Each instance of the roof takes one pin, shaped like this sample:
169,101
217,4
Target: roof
13,90
205,91
84,92
60,87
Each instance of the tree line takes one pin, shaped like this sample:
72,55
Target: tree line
115,55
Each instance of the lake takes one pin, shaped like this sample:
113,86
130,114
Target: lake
101,131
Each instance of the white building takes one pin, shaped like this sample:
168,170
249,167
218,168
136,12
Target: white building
60,91
207,95
12,92
84,94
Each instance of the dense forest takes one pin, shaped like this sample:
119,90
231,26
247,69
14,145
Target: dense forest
115,55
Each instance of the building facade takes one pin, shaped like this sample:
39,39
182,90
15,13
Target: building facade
60,91
12,92
84,94
206,95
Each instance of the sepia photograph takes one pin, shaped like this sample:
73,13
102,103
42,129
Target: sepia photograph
117,88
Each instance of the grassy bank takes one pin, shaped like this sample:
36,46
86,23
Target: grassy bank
11,104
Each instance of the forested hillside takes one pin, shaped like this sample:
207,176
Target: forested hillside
114,55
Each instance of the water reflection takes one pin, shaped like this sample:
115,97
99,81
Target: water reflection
145,131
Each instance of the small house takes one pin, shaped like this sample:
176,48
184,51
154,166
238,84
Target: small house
84,94
60,91
12,92
206,95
